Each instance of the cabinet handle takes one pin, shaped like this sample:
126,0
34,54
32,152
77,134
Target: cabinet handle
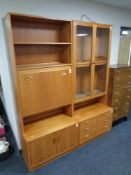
30,78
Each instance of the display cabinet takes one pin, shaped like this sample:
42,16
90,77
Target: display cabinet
59,74
91,59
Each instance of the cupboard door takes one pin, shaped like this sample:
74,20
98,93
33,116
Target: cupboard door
30,93
56,88
44,90
42,149
67,139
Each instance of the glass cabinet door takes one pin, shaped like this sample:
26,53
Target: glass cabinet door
99,79
102,44
83,44
83,81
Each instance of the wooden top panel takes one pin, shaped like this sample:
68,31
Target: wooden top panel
91,111
32,18
46,126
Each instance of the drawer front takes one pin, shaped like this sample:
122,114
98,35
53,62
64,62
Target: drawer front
94,127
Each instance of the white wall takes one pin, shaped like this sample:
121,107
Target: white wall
66,9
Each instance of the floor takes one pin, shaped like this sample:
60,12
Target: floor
108,155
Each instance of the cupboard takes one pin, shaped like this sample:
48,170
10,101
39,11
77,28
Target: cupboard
60,74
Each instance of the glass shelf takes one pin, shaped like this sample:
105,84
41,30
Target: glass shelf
83,44
83,81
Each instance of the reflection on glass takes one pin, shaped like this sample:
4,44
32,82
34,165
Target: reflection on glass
100,78
83,81
102,44
83,44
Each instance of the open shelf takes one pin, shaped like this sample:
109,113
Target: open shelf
42,54
85,98
46,126
30,29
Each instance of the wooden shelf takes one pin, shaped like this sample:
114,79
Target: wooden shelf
42,43
101,59
89,97
41,65
83,64
90,111
46,126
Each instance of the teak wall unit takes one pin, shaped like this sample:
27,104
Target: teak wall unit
119,92
60,72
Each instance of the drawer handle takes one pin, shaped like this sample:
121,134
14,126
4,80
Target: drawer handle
106,126
117,78
118,71
86,129
30,78
86,136
128,96
87,121
64,73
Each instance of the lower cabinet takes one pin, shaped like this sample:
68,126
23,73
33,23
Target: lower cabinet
49,138
49,146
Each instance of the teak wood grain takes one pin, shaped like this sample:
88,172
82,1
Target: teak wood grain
50,64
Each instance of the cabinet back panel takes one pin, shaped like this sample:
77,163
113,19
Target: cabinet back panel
34,54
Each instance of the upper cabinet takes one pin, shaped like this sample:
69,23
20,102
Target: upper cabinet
91,48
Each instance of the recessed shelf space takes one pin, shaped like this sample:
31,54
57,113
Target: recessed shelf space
83,43
40,30
44,56
102,44
100,79
83,81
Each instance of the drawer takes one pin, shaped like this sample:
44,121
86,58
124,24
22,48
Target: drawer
94,127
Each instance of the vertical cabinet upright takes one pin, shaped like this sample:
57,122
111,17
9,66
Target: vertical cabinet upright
60,78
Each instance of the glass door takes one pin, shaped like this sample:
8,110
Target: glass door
83,81
100,79
102,44
83,44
